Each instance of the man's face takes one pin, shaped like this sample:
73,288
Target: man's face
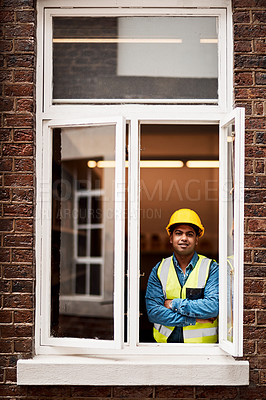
184,240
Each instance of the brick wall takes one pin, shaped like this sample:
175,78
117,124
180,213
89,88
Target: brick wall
17,208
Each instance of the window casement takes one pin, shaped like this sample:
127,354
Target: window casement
109,168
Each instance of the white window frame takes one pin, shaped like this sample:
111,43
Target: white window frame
132,362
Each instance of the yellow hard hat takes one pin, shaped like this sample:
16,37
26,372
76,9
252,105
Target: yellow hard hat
185,216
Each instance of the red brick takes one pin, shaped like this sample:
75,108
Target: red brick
24,164
249,166
243,46
16,331
254,377
249,347
250,93
52,392
4,255
18,210
7,16
255,151
260,137
23,346
22,60
6,76
253,286
25,16
134,392
11,375
25,105
252,302
255,123
260,46
23,316
250,61
252,332
247,256
262,347
90,391
19,90
24,45
6,316
249,317
17,240
260,256
261,316
248,3
216,392
23,76
6,346
256,181
6,46
258,108
6,164
259,16
18,272
18,3
23,196
255,241
249,31
241,17
18,149
243,78
6,104
21,255
13,390
18,180
255,196
6,225
19,30
259,167
260,78
257,225
18,120
23,225
21,135
18,301
5,134
262,378
5,195
257,271
5,286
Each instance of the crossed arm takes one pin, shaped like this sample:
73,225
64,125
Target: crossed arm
184,312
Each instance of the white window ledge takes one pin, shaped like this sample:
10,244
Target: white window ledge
133,370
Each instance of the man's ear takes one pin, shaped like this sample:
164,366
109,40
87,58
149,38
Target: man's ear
171,238
197,240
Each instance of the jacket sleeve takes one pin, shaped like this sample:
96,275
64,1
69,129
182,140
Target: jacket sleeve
157,312
208,307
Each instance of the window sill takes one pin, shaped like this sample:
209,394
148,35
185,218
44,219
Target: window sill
133,370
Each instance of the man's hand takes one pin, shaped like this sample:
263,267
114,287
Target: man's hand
206,321
167,303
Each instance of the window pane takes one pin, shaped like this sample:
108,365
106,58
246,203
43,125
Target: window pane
230,228
164,190
83,232
135,58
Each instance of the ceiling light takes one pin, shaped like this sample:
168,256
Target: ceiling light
202,164
116,40
143,164
209,41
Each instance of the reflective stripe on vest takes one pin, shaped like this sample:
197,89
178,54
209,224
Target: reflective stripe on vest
199,333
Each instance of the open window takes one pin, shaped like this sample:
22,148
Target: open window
84,233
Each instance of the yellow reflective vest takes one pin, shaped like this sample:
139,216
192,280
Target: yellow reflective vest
199,333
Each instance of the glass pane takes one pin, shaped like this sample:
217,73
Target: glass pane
230,228
80,278
95,279
135,58
83,177
166,189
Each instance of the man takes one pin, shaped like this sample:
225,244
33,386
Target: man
182,296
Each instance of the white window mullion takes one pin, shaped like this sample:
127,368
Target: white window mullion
133,234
